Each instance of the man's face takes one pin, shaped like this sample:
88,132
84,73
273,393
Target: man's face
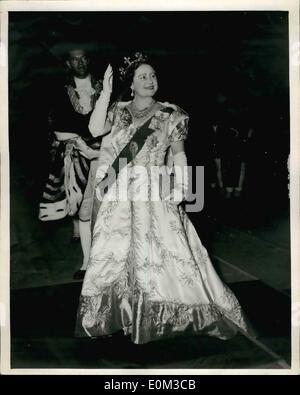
78,63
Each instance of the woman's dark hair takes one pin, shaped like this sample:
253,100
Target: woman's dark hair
125,80
127,73
130,73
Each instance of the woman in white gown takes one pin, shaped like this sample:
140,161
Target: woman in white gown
148,272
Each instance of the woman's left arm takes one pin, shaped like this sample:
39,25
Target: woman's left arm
99,124
177,147
180,170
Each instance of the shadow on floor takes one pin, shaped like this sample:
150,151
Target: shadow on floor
43,320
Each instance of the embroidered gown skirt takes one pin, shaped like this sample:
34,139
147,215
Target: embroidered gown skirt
148,272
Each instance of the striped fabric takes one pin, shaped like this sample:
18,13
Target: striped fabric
66,183
69,169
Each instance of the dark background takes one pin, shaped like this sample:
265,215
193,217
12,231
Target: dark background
218,66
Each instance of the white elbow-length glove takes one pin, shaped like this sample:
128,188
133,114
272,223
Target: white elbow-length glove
180,190
98,117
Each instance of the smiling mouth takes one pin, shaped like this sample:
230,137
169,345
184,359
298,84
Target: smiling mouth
149,87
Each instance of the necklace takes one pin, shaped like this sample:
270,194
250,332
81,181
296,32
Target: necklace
144,112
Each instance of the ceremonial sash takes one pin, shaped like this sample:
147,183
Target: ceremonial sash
127,154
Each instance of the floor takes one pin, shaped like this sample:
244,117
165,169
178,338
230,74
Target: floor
42,335
252,257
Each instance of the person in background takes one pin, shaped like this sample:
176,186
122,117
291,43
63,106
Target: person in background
230,157
74,151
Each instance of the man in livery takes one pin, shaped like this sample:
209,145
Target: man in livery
74,151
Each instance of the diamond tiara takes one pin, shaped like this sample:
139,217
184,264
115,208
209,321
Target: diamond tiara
128,63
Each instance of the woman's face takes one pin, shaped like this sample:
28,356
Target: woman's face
144,82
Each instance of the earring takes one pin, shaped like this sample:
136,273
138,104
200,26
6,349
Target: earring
132,94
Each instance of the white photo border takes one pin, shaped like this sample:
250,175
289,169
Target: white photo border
292,6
